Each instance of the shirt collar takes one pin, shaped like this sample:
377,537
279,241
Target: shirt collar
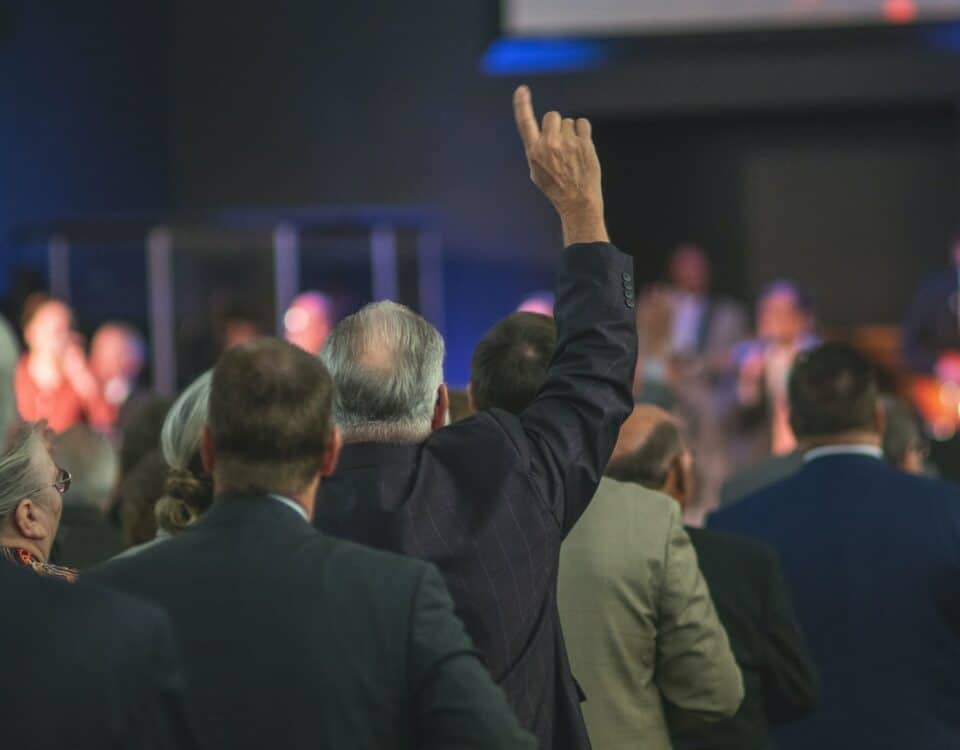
292,505
850,449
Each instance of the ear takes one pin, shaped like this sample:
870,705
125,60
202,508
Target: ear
441,411
332,455
471,404
28,522
207,451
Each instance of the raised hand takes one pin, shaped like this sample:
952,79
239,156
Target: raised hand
564,165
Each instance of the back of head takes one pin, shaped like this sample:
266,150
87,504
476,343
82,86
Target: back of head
648,461
387,364
189,491
270,418
832,391
92,462
138,494
141,433
510,362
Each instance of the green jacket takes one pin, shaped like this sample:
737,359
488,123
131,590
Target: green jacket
639,622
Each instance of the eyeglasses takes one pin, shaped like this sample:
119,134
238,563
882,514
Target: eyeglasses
62,484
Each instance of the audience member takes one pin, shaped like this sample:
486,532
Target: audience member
117,355
510,363
9,354
785,328
137,498
752,600
490,499
86,537
636,612
460,408
53,381
188,488
931,332
308,321
87,668
687,345
31,489
904,444
870,554
293,639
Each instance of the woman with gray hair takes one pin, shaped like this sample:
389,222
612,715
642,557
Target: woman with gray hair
189,490
31,489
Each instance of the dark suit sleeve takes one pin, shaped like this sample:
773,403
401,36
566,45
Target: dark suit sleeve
163,722
457,704
573,423
789,677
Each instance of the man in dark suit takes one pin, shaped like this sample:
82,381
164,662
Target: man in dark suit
292,639
752,600
86,668
870,554
490,499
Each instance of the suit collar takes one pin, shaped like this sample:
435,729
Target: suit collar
371,455
262,509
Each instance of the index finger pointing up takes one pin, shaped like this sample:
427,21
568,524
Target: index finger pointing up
523,113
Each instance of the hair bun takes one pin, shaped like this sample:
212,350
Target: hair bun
187,496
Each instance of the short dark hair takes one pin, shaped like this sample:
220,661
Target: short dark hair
832,389
785,286
269,417
510,363
650,463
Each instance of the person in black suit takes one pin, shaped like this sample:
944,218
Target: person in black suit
754,605
870,554
290,638
86,668
490,499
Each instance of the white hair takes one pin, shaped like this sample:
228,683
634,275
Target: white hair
183,426
9,354
18,474
387,364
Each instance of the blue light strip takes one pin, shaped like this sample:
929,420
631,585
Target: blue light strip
544,55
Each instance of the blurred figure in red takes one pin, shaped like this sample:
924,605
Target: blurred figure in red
53,381
308,321
117,354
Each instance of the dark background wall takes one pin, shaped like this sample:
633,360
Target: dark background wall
817,155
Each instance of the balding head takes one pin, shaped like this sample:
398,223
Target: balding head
387,363
651,452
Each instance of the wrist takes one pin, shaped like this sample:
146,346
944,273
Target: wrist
583,222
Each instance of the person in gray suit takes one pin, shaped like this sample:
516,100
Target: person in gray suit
638,618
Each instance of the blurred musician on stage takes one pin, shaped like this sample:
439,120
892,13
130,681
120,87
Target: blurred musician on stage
785,328
309,320
687,338
53,381
931,333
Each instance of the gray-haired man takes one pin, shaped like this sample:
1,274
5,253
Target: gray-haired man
489,500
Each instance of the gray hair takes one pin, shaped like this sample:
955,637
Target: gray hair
9,354
183,426
387,364
92,461
18,479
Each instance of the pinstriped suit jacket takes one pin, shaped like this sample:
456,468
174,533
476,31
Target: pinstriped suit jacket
489,500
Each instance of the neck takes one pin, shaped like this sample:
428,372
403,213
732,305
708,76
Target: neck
852,437
44,370
18,542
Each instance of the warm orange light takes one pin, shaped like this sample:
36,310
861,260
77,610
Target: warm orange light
900,11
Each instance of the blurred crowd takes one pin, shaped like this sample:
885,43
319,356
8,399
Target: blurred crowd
642,524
